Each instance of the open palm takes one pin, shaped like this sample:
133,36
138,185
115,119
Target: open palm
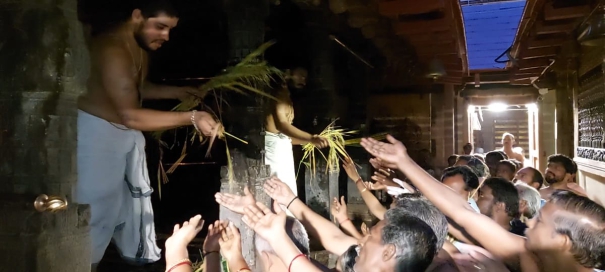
278,191
235,203
263,221
182,235
389,153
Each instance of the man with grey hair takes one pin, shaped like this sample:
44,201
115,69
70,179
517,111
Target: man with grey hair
529,200
269,260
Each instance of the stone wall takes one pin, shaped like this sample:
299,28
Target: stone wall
43,68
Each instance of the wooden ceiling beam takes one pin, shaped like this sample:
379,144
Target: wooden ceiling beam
525,64
421,27
526,81
534,44
551,13
538,53
445,49
542,29
409,7
536,70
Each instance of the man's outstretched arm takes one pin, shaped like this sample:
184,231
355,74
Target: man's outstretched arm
120,83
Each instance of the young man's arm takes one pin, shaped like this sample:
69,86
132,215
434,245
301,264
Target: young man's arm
119,82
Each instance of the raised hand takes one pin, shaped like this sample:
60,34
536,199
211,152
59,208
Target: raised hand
473,258
211,244
375,186
235,203
389,153
576,189
339,209
264,222
231,242
351,169
176,245
278,191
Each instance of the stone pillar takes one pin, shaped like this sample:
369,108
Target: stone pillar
322,186
442,130
246,32
43,68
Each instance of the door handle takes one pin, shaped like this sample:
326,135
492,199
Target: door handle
44,203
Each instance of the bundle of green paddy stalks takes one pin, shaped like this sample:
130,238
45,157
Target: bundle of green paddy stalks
336,149
251,76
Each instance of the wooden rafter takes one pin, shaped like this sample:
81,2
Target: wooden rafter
409,7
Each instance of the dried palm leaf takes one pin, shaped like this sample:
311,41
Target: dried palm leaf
357,141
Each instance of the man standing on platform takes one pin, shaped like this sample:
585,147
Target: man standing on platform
281,134
112,170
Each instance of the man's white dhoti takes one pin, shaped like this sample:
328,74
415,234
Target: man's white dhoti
278,154
113,180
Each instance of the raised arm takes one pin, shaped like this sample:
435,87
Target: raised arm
488,233
119,81
330,236
370,199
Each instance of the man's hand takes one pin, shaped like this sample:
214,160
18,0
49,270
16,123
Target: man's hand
351,169
473,258
231,243
389,153
375,186
278,191
235,203
211,244
176,245
319,142
264,222
384,177
205,123
339,209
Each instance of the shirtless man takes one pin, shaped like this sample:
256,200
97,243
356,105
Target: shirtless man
560,173
508,140
112,171
281,134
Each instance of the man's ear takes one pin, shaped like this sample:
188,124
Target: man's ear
389,252
136,16
522,204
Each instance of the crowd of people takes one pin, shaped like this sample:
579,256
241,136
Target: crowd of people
484,214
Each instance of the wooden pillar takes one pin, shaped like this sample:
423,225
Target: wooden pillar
43,68
567,81
246,32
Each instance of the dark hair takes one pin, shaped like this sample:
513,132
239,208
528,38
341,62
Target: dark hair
468,175
479,157
570,166
504,192
418,206
452,157
414,240
479,167
347,260
587,243
497,154
468,145
538,177
464,158
155,8
511,165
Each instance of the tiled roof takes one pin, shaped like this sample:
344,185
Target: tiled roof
490,30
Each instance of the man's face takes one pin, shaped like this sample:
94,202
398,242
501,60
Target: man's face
298,79
507,141
154,31
526,175
467,149
485,201
541,234
503,171
555,173
457,184
371,250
